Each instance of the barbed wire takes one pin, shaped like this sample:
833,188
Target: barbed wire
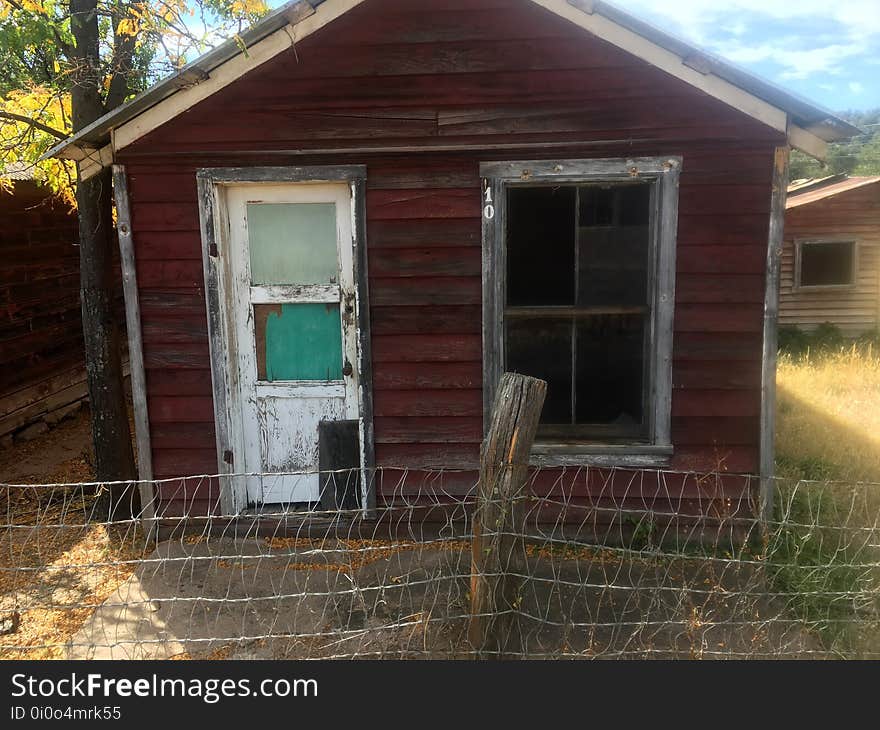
596,562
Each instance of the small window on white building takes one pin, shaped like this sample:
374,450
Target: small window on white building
826,263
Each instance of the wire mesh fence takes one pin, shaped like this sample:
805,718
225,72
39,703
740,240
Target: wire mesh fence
598,563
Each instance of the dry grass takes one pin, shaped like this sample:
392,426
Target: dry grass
828,424
828,430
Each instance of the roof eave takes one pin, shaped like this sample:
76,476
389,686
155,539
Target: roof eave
803,113
816,194
809,127
98,134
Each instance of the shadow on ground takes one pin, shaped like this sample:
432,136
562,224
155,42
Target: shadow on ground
195,601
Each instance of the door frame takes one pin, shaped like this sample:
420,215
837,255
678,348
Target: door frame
215,231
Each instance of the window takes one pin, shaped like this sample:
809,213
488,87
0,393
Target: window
826,263
579,293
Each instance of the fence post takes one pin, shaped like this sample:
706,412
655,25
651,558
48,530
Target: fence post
503,470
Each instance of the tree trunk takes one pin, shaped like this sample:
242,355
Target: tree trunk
111,436
114,459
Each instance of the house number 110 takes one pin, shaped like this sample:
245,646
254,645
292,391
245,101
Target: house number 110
489,210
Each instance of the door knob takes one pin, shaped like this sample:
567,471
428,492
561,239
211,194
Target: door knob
347,369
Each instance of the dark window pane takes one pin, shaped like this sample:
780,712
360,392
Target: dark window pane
634,205
610,371
541,348
613,266
827,264
587,246
540,246
597,206
613,248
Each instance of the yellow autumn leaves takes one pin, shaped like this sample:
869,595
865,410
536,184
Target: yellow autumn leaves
22,143
31,6
169,17
184,32
248,8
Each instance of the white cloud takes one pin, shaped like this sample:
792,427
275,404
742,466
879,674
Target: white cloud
860,18
817,37
856,87
831,59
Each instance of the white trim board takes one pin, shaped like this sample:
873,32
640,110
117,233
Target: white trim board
665,60
265,50
93,161
581,15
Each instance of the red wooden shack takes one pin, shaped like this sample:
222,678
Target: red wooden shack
383,204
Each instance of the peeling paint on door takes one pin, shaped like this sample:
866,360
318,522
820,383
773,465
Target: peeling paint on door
296,325
289,443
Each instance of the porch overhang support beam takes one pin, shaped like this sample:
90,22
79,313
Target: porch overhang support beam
135,350
775,237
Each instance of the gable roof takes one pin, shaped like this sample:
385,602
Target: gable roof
812,191
808,126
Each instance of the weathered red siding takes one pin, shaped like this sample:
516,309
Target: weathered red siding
472,72
41,345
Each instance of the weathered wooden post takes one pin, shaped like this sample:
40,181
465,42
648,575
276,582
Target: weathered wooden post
503,471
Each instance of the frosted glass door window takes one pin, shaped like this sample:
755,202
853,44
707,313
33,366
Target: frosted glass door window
292,243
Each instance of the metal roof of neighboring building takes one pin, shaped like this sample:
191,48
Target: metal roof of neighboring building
803,114
809,191
19,171
810,183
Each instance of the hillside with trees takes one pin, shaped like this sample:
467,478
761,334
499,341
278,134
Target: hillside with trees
858,156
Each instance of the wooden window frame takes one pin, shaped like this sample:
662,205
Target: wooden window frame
663,173
212,183
799,244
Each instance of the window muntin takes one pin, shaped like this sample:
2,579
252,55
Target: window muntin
826,263
577,308
662,175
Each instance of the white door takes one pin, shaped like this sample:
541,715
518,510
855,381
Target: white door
294,313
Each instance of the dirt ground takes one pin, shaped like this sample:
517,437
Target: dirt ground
46,593
62,455
91,591
300,599
70,587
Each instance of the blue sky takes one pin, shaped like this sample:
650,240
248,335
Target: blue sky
825,50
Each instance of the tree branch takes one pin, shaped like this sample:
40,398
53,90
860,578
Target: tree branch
120,62
65,47
35,124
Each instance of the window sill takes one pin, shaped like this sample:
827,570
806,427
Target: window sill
809,288
602,455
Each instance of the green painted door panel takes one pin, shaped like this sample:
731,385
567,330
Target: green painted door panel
298,342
